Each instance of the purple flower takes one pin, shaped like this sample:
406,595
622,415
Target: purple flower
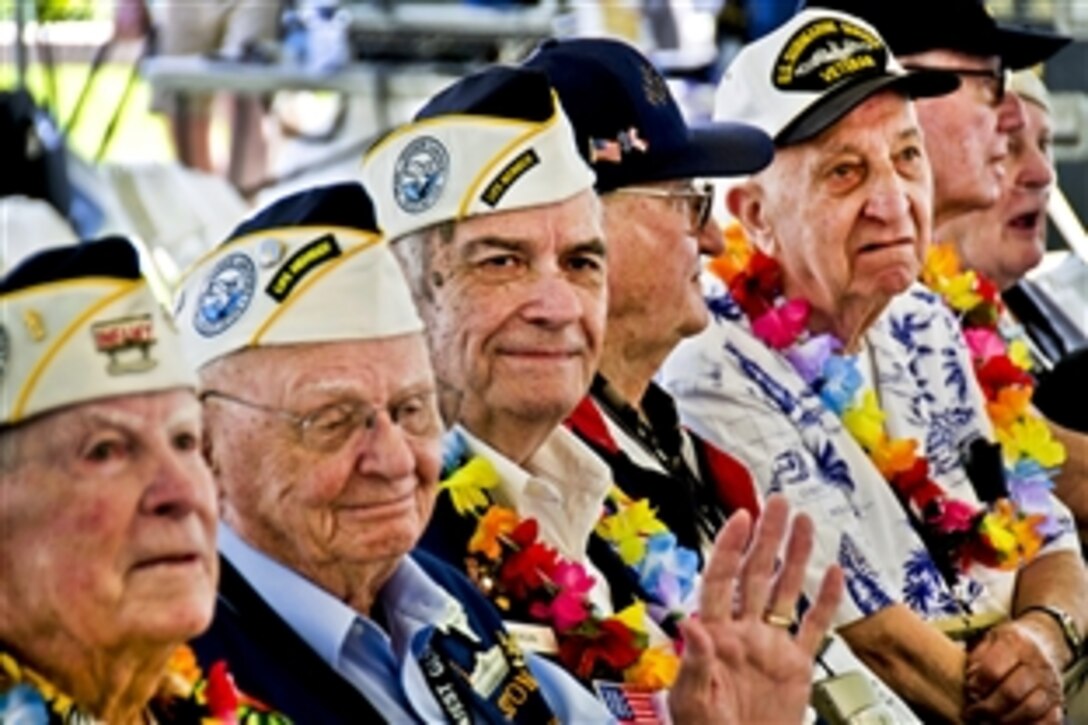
809,358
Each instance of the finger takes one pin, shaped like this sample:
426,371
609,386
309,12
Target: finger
988,664
1035,708
758,566
791,571
720,572
697,662
817,619
1022,687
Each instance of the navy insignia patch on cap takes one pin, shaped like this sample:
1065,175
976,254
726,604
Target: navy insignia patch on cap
128,343
420,174
653,85
226,294
826,52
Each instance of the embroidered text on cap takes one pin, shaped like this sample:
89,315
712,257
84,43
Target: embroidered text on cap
826,51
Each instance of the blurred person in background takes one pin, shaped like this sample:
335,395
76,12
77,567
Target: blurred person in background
234,30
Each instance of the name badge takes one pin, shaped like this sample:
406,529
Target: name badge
533,637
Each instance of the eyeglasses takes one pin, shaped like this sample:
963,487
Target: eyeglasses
994,80
330,426
699,201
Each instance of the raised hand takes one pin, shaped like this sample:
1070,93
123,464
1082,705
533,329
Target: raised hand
741,663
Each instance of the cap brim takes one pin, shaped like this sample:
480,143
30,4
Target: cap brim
916,84
1023,48
712,150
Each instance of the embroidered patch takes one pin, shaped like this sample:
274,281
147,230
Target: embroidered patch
226,294
128,342
420,174
653,85
824,52
505,179
301,263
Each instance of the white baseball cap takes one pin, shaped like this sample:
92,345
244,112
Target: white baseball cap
802,78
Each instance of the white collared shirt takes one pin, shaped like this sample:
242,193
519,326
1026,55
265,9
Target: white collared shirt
563,486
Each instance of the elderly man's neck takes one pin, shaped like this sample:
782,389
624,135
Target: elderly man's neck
630,362
114,686
356,584
516,437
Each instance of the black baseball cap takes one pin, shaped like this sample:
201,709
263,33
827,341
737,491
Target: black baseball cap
961,25
627,124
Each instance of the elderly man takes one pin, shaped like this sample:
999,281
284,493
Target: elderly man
857,401
491,212
323,434
107,511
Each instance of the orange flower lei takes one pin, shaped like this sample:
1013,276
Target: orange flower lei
184,695
521,574
1003,537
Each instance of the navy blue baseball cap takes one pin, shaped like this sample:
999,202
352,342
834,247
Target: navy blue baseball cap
627,124
960,25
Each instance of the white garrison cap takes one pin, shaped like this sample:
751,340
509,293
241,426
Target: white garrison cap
312,267
79,323
495,141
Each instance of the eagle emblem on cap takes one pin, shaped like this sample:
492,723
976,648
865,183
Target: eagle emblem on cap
653,86
420,174
226,294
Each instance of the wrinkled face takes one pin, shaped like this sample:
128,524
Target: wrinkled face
653,262
107,526
847,214
966,132
338,495
518,311
1008,240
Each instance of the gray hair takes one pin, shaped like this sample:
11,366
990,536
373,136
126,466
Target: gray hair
415,254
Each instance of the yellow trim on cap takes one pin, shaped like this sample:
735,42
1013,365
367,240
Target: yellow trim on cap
305,285
484,173
450,119
43,362
365,237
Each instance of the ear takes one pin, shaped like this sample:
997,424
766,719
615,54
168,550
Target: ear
748,204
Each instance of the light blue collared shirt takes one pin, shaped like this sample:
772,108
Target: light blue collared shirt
375,662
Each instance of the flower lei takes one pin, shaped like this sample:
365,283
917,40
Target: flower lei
1003,369
524,576
185,695
1000,536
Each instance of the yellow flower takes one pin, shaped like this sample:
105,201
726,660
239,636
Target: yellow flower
959,291
865,421
629,528
1032,438
1013,536
468,483
942,262
497,522
1020,355
655,670
633,616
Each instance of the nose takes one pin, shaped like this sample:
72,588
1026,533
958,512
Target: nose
552,300
1037,170
386,453
711,241
181,484
1010,114
887,201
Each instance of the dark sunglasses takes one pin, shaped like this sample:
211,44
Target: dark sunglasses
995,80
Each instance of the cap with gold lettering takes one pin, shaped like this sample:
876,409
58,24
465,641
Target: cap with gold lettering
311,267
494,141
802,78
79,323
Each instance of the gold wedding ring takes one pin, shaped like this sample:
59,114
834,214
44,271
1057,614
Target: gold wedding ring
777,620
